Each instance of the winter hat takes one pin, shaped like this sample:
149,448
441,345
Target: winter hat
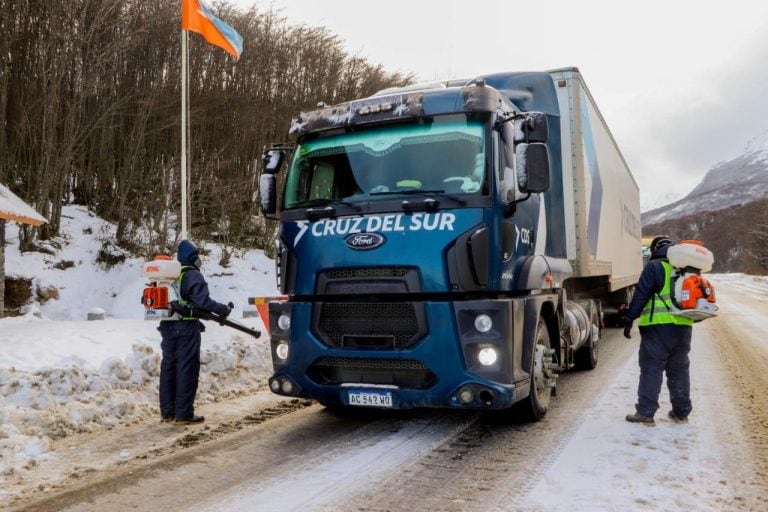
187,253
660,242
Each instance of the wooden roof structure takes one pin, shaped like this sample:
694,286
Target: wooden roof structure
14,209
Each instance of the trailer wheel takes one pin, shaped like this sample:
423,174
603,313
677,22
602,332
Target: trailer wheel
543,377
586,356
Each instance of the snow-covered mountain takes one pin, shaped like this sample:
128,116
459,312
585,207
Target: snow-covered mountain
738,181
727,211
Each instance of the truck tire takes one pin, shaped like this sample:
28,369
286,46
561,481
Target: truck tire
586,356
614,301
535,407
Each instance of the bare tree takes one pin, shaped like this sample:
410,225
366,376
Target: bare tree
89,111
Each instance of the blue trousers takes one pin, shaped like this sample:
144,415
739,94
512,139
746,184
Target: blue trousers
179,368
664,348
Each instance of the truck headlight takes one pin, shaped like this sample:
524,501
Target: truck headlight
284,322
483,323
281,351
487,356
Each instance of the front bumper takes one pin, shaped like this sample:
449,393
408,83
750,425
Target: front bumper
441,370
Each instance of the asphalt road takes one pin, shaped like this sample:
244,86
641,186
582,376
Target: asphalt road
300,456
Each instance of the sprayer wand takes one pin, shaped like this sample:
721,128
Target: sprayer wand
188,311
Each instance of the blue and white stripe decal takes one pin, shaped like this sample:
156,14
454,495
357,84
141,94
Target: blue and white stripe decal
596,197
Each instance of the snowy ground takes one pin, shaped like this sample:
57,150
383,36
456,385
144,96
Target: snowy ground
61,375
678,466
613,465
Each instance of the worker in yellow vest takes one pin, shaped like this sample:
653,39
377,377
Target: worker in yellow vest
665,340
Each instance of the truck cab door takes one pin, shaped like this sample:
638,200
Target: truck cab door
518,230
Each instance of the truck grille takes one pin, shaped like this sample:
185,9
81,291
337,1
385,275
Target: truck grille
368,325
357,273
368,281
404,373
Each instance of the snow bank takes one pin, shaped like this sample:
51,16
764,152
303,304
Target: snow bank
61,374
745,281
39,406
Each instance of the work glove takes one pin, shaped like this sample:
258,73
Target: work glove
625,321
225,311
627,327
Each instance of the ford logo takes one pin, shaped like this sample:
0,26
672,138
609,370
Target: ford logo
364,241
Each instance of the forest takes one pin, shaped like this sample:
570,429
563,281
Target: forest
90,113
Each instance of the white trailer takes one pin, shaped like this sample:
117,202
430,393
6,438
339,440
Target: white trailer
602,199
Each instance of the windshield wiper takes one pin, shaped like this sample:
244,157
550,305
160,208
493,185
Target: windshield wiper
326,202
329,211
427,192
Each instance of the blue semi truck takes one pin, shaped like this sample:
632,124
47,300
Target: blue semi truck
454,244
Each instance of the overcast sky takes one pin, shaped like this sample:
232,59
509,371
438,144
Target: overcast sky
683,84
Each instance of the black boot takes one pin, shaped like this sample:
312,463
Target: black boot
677,419
189,421
639,418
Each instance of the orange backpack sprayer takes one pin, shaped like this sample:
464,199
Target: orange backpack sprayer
692,295
161,297
160,274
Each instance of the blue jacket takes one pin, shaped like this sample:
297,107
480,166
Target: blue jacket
651,282
194,289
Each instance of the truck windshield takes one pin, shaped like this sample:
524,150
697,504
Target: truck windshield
444,156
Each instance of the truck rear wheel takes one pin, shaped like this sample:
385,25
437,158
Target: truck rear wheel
586,356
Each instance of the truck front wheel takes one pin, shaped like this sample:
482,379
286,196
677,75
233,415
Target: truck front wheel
543,376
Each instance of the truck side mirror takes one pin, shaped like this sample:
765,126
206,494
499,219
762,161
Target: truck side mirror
268,193
532,127
532,167
272,160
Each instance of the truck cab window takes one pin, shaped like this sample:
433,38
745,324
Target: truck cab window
446,155
326,177
506,169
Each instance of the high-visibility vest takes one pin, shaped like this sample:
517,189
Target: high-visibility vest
659,309
177,287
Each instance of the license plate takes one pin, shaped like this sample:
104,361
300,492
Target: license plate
370,398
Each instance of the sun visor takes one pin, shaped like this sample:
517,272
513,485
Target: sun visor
529,91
